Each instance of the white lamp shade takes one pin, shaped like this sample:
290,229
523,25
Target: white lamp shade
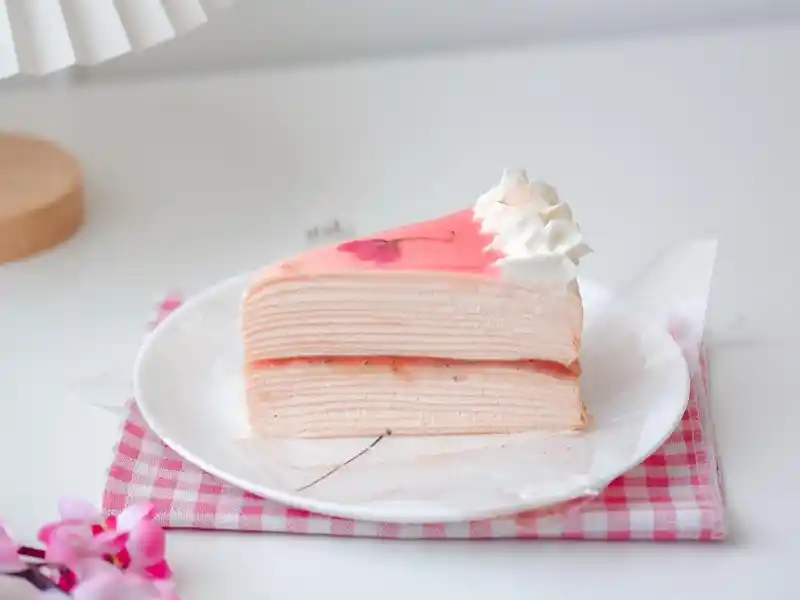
39,37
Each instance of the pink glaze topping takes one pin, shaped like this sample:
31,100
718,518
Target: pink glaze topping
450,243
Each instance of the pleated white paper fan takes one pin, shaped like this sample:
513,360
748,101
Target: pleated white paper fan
43,36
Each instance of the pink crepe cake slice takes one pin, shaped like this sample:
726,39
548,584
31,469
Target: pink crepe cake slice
466,324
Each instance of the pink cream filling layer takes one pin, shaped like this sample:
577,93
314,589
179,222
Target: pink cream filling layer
400,363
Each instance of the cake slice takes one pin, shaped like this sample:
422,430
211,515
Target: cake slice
466,324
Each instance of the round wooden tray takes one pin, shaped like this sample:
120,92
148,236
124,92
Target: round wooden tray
41,196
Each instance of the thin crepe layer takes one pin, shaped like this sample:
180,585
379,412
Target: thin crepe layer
368,398
438,314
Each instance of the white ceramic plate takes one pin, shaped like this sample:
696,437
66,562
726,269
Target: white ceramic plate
189,387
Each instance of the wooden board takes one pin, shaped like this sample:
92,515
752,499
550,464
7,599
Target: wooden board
41,196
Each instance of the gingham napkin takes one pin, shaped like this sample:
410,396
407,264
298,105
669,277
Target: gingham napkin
675,494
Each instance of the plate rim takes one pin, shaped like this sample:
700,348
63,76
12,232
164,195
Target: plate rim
367,511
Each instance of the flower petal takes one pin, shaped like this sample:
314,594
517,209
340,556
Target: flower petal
10,561
62,549
105,586
78,509
132,515
67,579
89,568
376,249
166,589
159,571
116,586
108,542
146,544
51,594
70,543
46,531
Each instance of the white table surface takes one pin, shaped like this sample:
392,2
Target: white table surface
192,181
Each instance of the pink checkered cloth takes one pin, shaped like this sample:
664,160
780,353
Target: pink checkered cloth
675,494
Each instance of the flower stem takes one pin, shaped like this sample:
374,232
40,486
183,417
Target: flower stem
36,578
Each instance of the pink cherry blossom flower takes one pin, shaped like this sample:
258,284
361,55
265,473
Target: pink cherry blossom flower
131,540
376,250
146,551
79,535
383,251
10,561
73,542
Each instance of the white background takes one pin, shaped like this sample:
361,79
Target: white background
191,180
258,32
269,32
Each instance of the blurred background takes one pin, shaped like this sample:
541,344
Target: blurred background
257,33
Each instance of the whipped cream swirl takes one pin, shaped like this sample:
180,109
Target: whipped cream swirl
533,228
